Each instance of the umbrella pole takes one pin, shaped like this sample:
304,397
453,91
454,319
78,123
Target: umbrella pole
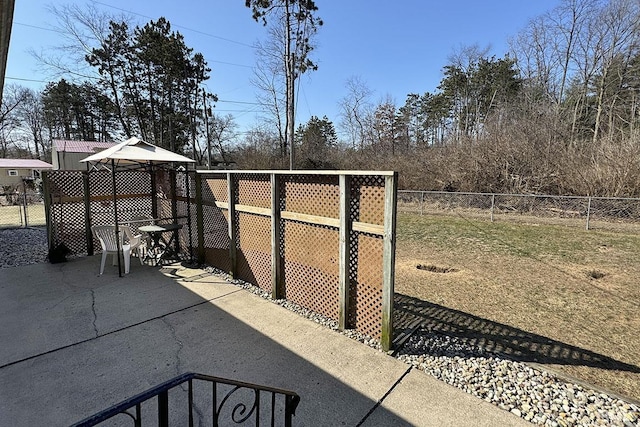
115,214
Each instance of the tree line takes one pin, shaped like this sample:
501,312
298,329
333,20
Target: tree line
557,114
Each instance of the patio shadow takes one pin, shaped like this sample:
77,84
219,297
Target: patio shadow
75,343
497,338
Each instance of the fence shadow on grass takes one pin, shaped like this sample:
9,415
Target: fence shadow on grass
493,337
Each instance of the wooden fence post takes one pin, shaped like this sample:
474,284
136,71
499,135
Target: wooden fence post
199,217
233,238
493,204
277,283
343,251
46,188
388,259
87,212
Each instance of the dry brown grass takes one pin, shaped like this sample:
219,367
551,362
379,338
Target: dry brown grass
12,216
560,296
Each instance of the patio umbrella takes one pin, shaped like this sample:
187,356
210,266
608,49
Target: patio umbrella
132,153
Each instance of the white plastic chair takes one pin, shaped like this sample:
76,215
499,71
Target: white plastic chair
136,242
106,234
141,220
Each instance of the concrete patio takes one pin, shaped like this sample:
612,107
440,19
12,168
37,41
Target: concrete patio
73,343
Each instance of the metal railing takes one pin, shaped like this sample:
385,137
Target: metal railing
608,212
21,210
276,405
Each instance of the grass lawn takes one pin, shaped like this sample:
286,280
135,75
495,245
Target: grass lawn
560,296
13,216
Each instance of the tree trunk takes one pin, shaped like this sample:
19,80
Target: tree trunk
599,109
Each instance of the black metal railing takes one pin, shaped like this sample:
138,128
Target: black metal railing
264,405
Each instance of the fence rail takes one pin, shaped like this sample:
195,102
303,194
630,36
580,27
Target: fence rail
585,211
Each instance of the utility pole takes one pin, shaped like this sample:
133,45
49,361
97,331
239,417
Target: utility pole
205,113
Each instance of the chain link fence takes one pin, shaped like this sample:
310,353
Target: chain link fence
22,209
588,212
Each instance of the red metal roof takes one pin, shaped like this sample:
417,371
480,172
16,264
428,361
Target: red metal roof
81,146
24,164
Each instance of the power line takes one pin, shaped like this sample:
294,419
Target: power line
62,32
240,102
240,111
26,80
179,26
231,63
53,30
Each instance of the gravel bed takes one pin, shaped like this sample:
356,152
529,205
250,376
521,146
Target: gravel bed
22,246
535,395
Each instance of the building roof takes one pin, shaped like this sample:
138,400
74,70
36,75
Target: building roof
24,164
81,146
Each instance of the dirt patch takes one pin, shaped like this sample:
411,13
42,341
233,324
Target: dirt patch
435,268
595,274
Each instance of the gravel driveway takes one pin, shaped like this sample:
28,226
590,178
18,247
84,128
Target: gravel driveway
22,246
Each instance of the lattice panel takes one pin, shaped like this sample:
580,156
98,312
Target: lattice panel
164,208
368,192
133,182
216,237
368,316
312,195
101,185
254,249
186,215
215,223
67,221
365,277
133,198
254,190
67,213
66,183
215,188
311,267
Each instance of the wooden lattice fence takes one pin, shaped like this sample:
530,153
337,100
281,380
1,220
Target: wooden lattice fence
324,240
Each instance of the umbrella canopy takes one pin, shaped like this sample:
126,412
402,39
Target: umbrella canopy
134,150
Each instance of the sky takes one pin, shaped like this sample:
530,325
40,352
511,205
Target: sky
395,48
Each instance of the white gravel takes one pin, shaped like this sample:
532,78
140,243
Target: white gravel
533,394
22,246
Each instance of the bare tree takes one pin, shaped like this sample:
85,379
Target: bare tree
618,44
356,111
269,79
31,116
12,98
82,28
222,133
299,22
